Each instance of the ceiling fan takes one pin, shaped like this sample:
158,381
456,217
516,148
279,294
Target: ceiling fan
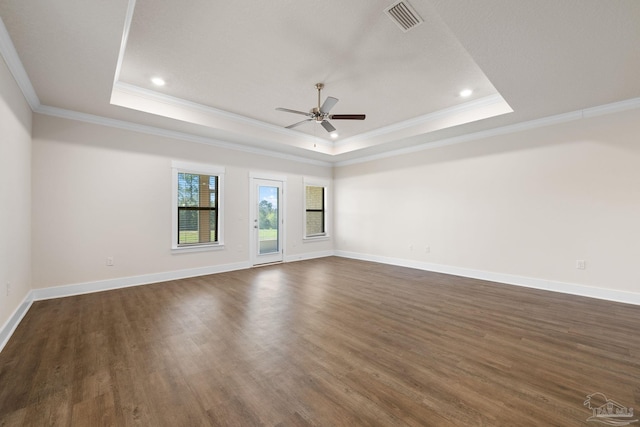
320,114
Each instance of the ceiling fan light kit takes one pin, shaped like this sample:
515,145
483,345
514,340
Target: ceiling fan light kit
320,114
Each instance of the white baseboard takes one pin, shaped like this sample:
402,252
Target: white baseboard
509,279
125,282
14,320
103,285
12,323
40,294
309,255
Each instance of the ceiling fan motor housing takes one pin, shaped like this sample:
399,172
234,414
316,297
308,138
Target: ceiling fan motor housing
317,115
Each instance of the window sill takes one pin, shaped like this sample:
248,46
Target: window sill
315,239
196,248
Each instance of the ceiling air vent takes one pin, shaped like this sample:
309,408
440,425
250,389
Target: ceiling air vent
403,15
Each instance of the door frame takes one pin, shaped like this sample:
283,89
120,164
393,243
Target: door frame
254,179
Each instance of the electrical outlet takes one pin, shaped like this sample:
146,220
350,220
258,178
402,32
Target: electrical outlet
581,264
110,261
427,249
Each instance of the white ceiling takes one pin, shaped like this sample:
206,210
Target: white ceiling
228,65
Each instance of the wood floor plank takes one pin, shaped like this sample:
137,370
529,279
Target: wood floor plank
330,341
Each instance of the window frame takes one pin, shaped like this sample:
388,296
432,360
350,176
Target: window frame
199,169
315,182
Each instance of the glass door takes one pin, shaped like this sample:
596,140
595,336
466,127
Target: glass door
267,221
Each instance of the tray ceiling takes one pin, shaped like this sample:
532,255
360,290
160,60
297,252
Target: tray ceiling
228,65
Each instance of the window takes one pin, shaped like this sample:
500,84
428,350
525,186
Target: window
197,206
315,210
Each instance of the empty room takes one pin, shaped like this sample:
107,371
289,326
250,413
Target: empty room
337,213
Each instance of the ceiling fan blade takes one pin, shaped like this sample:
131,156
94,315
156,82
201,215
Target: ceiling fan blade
347,116
286,110
298,124
325,124
328,104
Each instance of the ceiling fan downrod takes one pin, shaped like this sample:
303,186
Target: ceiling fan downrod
318,116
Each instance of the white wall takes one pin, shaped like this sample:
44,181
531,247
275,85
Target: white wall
104,192
527,204
15,197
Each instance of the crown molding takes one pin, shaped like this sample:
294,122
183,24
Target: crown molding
125,38
158,97
480,109
614,107
611,108
11,57
420,120
183,136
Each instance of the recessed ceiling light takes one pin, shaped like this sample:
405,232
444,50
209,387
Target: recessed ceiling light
158,81
466,93
333,135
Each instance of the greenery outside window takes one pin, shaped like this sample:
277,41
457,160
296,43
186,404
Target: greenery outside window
197,206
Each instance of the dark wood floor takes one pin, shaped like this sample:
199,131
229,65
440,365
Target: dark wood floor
325,342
